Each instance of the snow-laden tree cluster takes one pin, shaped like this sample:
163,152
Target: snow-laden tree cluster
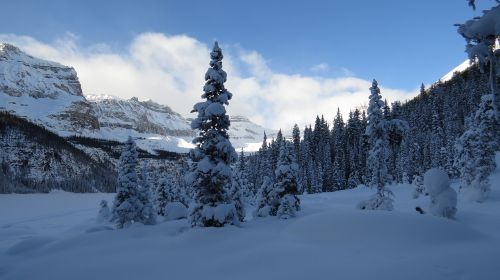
420,134
169,199
280,198
132,202
213,155
476,150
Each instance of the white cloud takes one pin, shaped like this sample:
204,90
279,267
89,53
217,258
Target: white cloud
170,70
320,67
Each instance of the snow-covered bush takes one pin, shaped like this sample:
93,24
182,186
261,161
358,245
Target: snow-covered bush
418,182
104,213
166,192
288,206
175,211
377,202
443,197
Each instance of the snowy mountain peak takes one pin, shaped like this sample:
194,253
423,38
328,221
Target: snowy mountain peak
8,48
22,74
142,116
460,68
44,92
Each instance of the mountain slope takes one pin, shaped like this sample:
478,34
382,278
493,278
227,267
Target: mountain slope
47,93
460,68
35,159
50,94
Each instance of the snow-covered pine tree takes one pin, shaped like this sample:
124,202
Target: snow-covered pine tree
163,194
307,167
235,196
127,206
286,185
148,213
476,150
296,141
240,179
339,153
377,158
213,153
266,198
264,163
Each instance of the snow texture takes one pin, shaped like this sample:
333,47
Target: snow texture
175,211
54,236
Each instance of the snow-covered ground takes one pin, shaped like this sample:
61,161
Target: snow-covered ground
55,236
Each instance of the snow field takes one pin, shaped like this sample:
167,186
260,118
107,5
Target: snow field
55,236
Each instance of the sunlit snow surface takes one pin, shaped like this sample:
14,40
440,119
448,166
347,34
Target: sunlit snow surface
55,236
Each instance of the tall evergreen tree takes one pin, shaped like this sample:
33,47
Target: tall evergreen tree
377,159
127,206
213,153
286,185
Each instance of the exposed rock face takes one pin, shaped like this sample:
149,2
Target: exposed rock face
244,129
22,74
45,92
142,116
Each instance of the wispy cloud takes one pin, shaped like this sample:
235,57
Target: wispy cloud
320,67
170,70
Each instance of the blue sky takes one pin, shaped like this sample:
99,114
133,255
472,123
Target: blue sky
401,43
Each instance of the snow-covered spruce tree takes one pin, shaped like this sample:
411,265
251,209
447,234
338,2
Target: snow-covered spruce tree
164,194
213,153
240,178
475,151
378,153
286,184
236,197
127,206
266,198
148,213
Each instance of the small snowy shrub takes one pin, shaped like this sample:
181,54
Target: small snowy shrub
104,214
443,197
377,202
288,207
418,182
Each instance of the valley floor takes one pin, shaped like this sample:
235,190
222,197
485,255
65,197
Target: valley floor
55,236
